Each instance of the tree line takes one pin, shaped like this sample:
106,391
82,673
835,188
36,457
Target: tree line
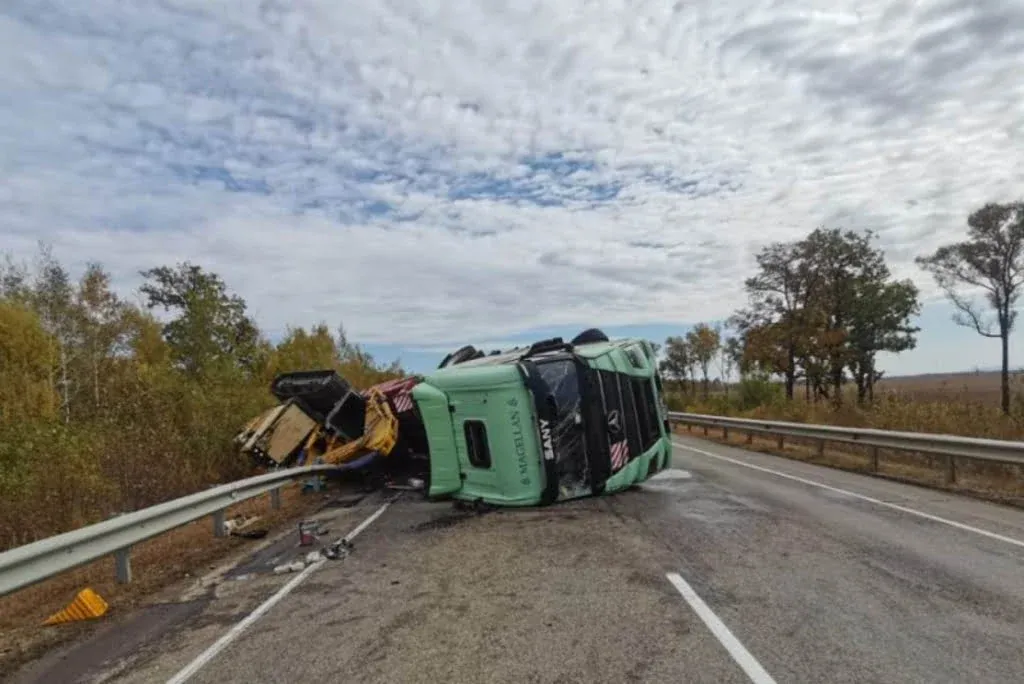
108,405
820,309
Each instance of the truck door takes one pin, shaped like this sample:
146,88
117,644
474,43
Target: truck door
474,427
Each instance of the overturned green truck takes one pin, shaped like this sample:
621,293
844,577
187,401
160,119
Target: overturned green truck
533,425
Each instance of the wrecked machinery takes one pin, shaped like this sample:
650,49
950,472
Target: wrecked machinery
528,426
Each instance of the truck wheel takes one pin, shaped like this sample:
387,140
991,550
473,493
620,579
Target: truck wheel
464,354
588,336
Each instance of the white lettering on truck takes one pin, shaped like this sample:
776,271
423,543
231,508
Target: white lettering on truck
545,439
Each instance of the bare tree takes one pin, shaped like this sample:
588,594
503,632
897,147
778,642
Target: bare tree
989,263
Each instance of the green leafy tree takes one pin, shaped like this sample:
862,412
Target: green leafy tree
103,334
144,339
988,265
211,328
26,355
880,321
678,361
14,281
104,408
778,295
302,350
704,342
849,286
822,305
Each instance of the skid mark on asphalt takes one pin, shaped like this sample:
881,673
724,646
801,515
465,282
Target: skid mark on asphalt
862,497
739,653
210,653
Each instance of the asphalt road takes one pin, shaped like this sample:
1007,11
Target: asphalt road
791,573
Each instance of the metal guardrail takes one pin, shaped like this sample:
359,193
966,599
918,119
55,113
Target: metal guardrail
26,565
952,447
31,563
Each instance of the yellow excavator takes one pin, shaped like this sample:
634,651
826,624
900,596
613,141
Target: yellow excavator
380,432
322,420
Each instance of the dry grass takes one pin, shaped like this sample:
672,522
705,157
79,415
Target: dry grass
980,387
990,481
965,404
187,552
936,404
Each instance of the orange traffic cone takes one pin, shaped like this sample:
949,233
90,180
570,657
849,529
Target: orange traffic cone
87,605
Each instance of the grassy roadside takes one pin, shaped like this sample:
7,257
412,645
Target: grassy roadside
186,553
990,481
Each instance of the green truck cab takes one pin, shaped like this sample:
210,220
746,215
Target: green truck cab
545,423
529,426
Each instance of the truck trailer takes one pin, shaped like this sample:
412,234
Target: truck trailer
533,425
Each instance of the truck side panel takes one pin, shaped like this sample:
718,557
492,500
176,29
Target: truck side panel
494,433
444,459
491,417
638,364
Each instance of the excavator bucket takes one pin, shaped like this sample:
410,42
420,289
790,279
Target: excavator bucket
380,433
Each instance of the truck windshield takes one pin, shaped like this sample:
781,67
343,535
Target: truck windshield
568,435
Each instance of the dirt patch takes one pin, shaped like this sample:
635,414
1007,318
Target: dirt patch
185,553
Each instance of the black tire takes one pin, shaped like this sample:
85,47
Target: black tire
464,354
589,336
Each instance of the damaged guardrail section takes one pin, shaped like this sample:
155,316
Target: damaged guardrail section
952,447
26,565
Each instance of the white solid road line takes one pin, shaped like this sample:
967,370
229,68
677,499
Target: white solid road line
366,523
739,653
862,497
210,653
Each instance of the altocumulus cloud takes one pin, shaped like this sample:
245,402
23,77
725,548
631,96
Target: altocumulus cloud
419,168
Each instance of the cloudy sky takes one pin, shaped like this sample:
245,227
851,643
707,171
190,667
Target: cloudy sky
439,171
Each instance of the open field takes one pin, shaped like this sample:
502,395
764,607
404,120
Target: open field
976,386
966,404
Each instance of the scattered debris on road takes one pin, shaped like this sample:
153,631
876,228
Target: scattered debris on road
239,525
295,566
338,549
307,532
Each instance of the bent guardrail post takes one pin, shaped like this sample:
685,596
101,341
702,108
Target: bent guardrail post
31,563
